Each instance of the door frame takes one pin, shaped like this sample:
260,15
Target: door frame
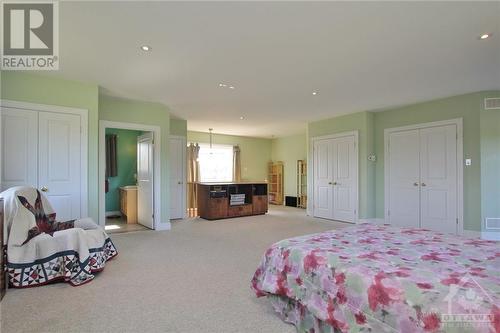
103,124
184,173
84,124
458,122
310,177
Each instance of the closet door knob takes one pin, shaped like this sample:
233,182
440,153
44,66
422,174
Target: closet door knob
330,183
423,184
415,184
44,189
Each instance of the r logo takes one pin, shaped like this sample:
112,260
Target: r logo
28,29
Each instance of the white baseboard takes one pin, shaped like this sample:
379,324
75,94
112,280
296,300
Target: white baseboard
114,212
488,235
163,226
471,234
373,221
491,235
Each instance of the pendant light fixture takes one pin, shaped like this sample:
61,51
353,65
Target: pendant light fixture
210,136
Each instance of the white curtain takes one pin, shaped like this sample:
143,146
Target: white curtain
193,176
236,164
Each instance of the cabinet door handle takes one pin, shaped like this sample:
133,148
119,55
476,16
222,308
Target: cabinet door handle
424,184
44,189
415,184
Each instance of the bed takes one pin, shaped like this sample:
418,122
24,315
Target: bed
375,278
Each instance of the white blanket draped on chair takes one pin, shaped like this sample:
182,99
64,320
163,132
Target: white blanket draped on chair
72,255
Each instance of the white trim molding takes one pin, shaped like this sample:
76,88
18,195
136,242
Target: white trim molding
84,124
113,213
103,124
458,122
372,221
184,173
310,169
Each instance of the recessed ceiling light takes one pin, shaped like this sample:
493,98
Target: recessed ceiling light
484,36
241,118
231,87
146,48
315,93
222,85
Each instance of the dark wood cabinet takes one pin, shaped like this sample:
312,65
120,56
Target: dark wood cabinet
3,255
214,199
259,204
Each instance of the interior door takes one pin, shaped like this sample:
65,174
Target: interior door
177,181
323,178
145,180
438,186
59,162
404,179
19,148
344,179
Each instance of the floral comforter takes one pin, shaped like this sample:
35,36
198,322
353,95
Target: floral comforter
383,279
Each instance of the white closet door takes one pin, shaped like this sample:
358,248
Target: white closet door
323,179
145,180
344,179
19,148
438,168
177,150
59,154
404,180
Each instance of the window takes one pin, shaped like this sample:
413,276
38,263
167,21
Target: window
216,163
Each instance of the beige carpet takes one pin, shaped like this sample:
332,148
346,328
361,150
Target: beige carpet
194,278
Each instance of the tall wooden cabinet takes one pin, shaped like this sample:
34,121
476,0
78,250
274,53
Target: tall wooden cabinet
276,183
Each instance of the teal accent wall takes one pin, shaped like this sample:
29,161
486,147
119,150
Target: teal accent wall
289,149
255,152
490,159
127,165
35,88
147,113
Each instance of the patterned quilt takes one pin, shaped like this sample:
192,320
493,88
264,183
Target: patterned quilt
382,279
41,250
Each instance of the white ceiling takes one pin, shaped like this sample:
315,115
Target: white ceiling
357,55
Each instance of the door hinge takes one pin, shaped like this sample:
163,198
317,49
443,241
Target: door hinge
153,141
388,213
355,212
457,220
153,215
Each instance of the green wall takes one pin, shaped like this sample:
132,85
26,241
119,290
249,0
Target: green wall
465,107
255,152
178,127
34,88
126,148
490,160
288,150
131,111
481,142
363,123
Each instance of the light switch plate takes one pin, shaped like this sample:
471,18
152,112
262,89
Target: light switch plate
468,161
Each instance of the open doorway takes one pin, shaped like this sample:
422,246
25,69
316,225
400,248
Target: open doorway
121,185
129,177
